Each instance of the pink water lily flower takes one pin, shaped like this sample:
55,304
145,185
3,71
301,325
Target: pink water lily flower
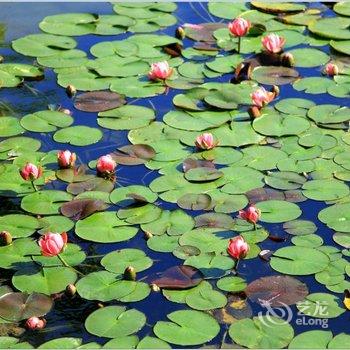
261,97
273,43
106,164
52,244
239,27
331,69
35,323
160,70
31,172
66,159
252,214
238,248
205,141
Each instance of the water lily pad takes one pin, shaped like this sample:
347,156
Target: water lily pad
311,340
119,260
62,343
299,227
46,121
140,215
231,284
330,306
106,286
336,217
278,211
18,225
10,126
206,299
20,306
78,135
133,154
309,57
81,208
332,28
277,290
175,223
98,101
272,75
299,260
45,202
46,280
328,114
126,117
152,343
265,331
114,321
323,190
187,327
104,227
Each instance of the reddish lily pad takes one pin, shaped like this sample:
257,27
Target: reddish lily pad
133,154
81,208
20,306
98,101
203,31
179,277
277,290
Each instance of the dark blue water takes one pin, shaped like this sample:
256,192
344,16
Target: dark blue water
68,320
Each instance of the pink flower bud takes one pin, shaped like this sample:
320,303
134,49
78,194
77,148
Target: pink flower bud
273,43
52,244
35,323
66,159
160,70
205,141
106,164
5,238
65,111
238,248
239,27
331,69
31,172
252,214
261,97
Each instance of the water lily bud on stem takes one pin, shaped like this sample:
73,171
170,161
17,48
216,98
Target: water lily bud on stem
254,112
276,90
71,90
180,33
148,235
5,238
287,59
130,274
154,287
70,291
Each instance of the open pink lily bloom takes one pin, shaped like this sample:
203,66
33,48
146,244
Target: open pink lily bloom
106,164
331,69
261,97
205,141
273,43
66,159
35,323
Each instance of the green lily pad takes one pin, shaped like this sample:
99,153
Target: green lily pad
231,284
104,227
299,260
140,215
300,227
10,126
46,121
187,327
78,135
336,217
309,57
47,280
19,225
262,332
311,340
114,321
278,211
119,260
323,190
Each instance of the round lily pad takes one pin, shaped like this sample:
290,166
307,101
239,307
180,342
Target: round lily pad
78,135
119,260
299,260
187,327
10,126
114,321
278,211
18,225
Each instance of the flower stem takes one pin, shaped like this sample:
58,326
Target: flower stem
34,186
239,44
67,265
237,263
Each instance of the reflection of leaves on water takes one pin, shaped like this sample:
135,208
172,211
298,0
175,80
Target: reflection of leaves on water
2,32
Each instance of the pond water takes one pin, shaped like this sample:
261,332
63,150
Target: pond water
291,161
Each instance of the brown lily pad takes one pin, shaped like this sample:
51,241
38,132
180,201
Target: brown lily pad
214,220
98,101
277,290
179,277
203,31
95,184
20,306
78,209
74,174
274,75
191,163
133,154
